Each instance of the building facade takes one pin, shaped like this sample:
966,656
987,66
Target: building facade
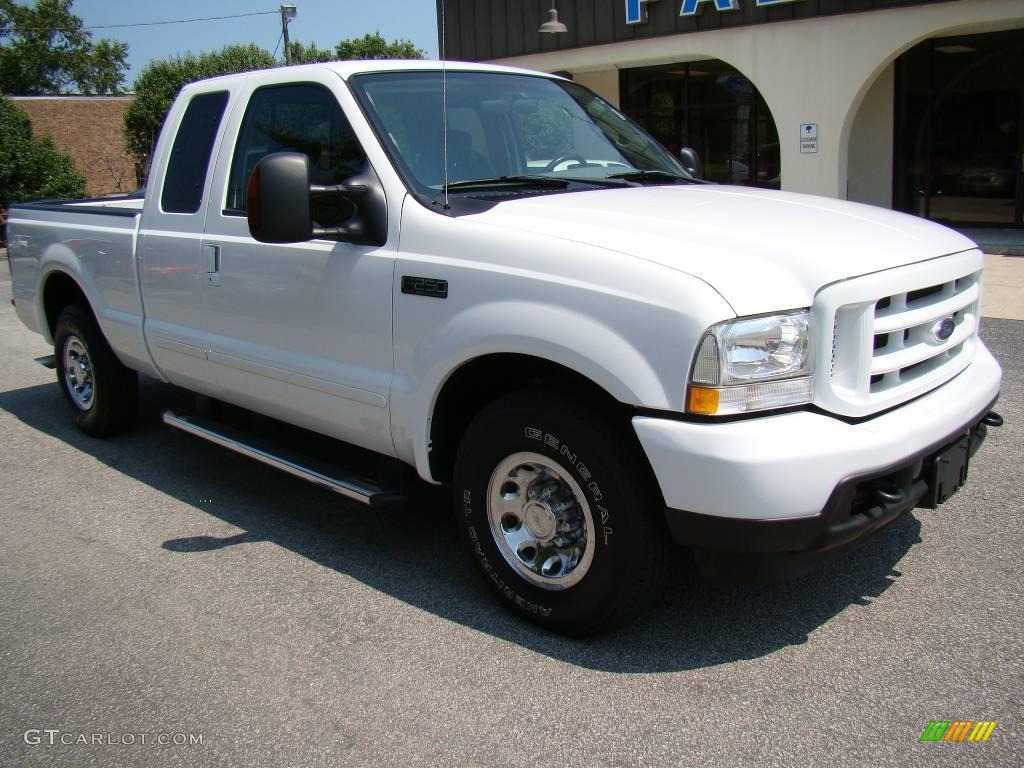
916,105
91,130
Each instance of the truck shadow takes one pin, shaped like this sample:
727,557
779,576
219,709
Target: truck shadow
414,555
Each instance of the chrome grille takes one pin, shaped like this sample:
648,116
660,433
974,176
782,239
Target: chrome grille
894,335
905,346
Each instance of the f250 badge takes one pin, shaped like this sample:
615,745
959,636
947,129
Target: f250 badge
425,286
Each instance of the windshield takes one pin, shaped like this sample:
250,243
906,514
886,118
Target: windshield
507,128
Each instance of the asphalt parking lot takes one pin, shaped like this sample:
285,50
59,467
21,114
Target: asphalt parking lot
156,585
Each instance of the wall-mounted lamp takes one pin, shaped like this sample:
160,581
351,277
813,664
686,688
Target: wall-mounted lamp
553,26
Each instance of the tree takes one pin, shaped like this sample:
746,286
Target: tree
159,83
303,54
376,47
31,168
45,49
366,47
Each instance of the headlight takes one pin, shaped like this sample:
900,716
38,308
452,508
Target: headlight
753,364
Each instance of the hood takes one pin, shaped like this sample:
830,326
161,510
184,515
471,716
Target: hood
763,251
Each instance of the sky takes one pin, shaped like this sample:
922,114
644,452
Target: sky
323,22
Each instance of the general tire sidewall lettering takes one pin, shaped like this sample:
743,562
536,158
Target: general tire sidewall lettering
570,452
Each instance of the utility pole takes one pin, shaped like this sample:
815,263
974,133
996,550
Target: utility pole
288,12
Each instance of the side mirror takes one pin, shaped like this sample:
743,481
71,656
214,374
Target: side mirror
277,199
691,162
279,209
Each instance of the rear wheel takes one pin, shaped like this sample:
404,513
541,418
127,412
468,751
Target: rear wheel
100,391
559,512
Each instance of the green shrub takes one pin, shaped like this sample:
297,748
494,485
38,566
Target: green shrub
31,168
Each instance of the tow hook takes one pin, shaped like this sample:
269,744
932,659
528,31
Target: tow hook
992,419
888,496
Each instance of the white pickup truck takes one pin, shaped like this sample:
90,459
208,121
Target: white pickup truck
495,277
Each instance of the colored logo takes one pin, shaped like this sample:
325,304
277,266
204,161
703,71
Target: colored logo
958,730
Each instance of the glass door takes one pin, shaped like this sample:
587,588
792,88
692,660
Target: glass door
712,107
975,168
960,130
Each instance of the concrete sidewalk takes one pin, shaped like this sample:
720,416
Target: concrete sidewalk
1003,287
1003,290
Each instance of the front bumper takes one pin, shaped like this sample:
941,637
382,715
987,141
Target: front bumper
728,549
806,482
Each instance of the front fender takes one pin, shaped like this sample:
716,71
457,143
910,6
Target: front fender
627,324
558,334
630,369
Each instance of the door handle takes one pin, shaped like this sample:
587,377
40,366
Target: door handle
212,257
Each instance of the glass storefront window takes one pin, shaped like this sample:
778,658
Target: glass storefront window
712,107
960,130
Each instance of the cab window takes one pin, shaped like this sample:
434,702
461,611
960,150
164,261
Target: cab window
302,118
187,167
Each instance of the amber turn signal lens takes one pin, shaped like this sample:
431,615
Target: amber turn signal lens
253,201
703,400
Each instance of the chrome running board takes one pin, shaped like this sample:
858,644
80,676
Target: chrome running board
353,488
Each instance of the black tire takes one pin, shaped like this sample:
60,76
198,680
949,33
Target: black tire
110,406
603,459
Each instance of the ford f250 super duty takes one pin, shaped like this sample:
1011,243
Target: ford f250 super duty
495,277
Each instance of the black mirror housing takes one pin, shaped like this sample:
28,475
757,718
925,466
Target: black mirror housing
691,162
277,199
279,210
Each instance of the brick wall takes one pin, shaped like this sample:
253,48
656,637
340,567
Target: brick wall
89,128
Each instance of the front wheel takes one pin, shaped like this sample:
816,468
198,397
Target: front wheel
559,512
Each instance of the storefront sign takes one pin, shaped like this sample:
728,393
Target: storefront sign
636,10
808,138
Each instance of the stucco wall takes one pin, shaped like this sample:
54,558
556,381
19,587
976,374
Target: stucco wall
89,128
605,83
871,144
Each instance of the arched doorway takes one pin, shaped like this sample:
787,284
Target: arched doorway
712,107
960,130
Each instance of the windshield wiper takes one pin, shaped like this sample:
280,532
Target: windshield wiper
652,175
508,181
603,181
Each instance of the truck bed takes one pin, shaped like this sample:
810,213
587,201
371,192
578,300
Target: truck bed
94,242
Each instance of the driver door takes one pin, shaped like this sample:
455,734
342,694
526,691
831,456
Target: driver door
300,332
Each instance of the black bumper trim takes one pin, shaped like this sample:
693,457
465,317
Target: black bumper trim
734,549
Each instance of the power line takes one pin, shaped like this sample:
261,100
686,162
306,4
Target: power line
16,30
184,21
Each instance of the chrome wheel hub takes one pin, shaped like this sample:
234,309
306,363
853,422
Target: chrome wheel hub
78,373
540,520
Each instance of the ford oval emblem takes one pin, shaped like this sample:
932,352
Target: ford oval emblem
943,329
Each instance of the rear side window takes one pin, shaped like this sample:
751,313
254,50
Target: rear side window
298,118
190,156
